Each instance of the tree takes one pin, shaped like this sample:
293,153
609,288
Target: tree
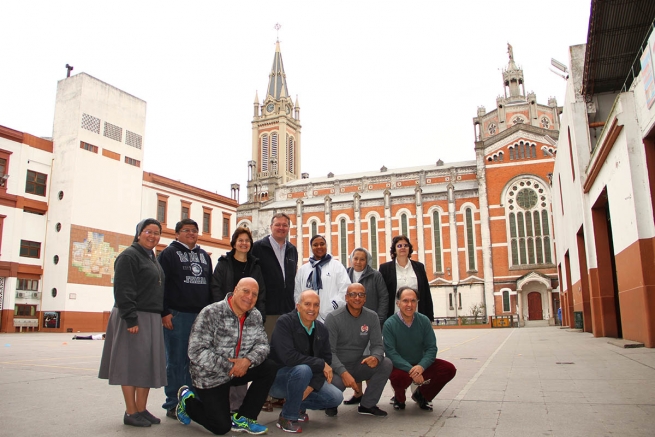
477,309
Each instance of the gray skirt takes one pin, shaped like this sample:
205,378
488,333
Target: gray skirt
137,360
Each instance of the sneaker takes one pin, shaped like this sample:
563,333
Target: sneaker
373,411
331,411
397,405
303,417
420,400
135,420
243,424
353,401
183,394
149,417
287,425
171,413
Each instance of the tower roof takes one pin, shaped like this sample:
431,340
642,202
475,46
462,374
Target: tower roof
277,79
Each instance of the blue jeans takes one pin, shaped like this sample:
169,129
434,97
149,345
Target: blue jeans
177,357
290,384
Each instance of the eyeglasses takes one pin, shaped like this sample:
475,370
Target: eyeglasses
149,233
402,246
356,294
188,231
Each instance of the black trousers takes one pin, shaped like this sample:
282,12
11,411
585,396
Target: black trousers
213,411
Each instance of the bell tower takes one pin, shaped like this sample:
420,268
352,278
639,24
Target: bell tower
275,137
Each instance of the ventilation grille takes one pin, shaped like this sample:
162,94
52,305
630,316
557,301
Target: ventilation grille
89,122
114,132
132,139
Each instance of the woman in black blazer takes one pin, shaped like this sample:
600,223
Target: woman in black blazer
401,250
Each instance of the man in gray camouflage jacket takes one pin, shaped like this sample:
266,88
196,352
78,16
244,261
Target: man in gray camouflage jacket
228,347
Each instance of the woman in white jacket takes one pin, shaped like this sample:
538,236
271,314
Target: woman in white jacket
325,275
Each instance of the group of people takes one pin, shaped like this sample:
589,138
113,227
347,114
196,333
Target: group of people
254,329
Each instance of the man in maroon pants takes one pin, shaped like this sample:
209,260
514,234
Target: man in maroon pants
410,344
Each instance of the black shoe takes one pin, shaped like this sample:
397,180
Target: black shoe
420,400
171,413
398,405
135,420
373,411
331,411
149,417
353,401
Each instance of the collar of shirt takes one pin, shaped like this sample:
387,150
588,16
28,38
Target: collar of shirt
276,245
310,330
409,325
407,266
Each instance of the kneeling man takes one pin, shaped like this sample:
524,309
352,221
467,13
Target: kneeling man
300,344
351,328
228,347
410,343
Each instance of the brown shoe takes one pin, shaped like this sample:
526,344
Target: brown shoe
268,407
278,403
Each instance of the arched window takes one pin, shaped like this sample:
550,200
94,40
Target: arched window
436,238
534,150
291,155
528,222
373,235
403,225
521,150
314,229
343,237
450,301
265,155
500,156
506,308
470,241
511,153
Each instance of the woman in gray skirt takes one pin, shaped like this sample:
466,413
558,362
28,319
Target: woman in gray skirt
133,355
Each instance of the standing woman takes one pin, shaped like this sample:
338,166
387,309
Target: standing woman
404,272
325,275
133,355
377,296
235,265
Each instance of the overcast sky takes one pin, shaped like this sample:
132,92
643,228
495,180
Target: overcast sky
392,83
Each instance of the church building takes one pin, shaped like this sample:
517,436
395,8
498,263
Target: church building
483,228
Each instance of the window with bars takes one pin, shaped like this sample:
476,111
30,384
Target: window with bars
436,237
35,183
529,223
343,237
206,220
88,147
30,249
132,161
264,153
403,225
27,284
470,240
226,227
185,213
506,307
373,235
161,211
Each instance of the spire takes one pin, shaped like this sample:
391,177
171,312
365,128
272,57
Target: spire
277,80
513,78
256,98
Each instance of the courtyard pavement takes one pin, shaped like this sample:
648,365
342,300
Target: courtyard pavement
510,382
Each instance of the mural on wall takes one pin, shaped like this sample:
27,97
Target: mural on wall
93,253
94,256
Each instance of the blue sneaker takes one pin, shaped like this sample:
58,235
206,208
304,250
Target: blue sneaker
243,424
183,394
